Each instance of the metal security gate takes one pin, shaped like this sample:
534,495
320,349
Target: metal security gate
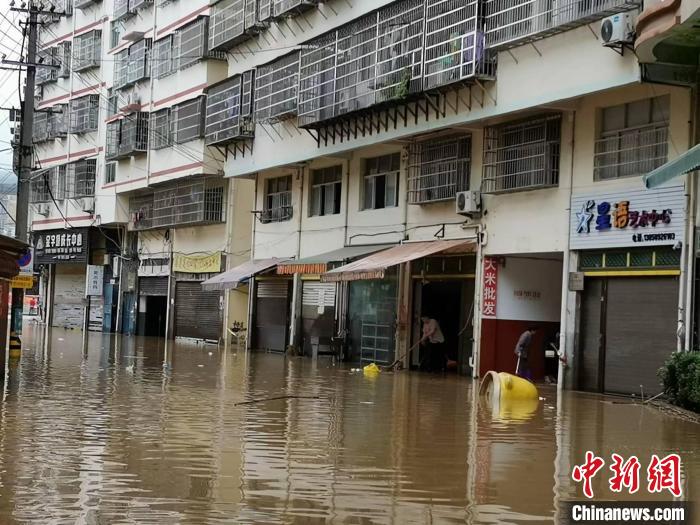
628,330
318,316
198,313
271,315
153,286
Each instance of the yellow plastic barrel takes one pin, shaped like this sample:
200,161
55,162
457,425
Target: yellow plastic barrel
512,397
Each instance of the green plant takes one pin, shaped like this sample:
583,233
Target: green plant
680,377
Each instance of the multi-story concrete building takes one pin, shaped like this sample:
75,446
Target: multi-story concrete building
123,177
476,161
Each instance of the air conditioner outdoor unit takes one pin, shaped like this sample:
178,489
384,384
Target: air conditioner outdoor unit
87,204
468,202
42,209
617,30
131,103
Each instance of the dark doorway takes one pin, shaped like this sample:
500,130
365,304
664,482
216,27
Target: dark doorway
442,300
154,323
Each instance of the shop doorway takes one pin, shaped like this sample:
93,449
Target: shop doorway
155,318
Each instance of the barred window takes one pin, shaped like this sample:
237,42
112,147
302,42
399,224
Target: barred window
87,50
160,129
57,182
229,109
40,187
121,69
522,155
112,102
122,9
58,121
276,86
45,59
114,133
41,126
278,200
138,61
84,113
191,45
633,138
162,62
110,172
115,33
188,121
81,178
438,169
326,189
134,134
381,182
64,59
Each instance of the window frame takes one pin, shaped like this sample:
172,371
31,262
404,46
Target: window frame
160,139
85,117
195,120
87,50
371,179
325,191
277,204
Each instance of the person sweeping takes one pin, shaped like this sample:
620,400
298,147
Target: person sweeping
433,341
522,348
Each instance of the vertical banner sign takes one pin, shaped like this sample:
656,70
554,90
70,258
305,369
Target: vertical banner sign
95,278
490,288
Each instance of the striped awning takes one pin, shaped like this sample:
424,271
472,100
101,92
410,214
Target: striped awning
685,163
374,266
321,263
240,274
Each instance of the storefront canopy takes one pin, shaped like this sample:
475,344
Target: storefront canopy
374,266
687,162
10,252
320,263
240,274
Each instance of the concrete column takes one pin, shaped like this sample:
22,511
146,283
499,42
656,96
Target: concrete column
570,322
295,313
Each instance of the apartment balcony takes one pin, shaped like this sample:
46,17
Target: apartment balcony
233,22
276,89
510,23
191,202
390,57
289,8
127,137
229,110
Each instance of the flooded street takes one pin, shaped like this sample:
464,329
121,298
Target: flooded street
137,433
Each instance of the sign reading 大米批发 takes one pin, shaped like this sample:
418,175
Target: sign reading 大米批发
638,217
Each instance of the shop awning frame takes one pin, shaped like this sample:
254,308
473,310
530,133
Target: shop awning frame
234,277
375,266
685,163
320,263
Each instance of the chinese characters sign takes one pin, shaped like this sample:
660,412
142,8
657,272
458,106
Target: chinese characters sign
633,218
490,288
662,474
56,246
95,280
197,263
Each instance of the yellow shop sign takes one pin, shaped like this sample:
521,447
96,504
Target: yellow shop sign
22,281
197,263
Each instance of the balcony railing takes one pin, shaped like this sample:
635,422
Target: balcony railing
233,22
230,110
276,87
128,136
513,22
630,152
438,169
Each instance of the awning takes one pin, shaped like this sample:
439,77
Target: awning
10,252
319,263
235,276
687,162
374,266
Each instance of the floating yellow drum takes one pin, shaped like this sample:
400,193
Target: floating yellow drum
511,397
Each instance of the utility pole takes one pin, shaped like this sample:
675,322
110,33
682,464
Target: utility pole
26,159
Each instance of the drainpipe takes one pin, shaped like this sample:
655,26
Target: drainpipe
251,281
690,239
150,103
478,292
170,298
296,282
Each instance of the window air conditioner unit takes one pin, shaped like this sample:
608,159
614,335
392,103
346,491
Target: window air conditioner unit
87,204
468,202
617,30
42,209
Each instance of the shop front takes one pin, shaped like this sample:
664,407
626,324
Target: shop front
153,283
629,252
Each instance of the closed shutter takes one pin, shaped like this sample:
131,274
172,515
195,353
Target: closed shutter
640,332
271,313
590,335
197,312
318,315
153,286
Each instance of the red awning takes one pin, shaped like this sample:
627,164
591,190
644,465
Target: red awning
374,266
240,274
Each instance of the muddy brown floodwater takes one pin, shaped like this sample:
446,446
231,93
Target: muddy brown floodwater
134,432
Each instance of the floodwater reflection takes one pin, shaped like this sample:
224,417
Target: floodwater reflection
139,431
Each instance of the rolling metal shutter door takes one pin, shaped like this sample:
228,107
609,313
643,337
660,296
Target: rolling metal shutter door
197,312
153,286
590,334
316,323
271,311
641,332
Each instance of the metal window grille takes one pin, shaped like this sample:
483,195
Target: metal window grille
64,59
41,126
355,65
141,211
40,191
191,43
138,61
326,190
283,8
81,179
633,139
121,69
122,9
60,7
163,57
276,86
233,22
84,4
110,172
317,80
57,182
214,204
160,129
58,121
88,48
115,33
113,102
265,10
187,120
438,169
140,4
522,155
113,139
513,22
45,59
134,134
381,182
84,113
278,200
229,106
194,201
